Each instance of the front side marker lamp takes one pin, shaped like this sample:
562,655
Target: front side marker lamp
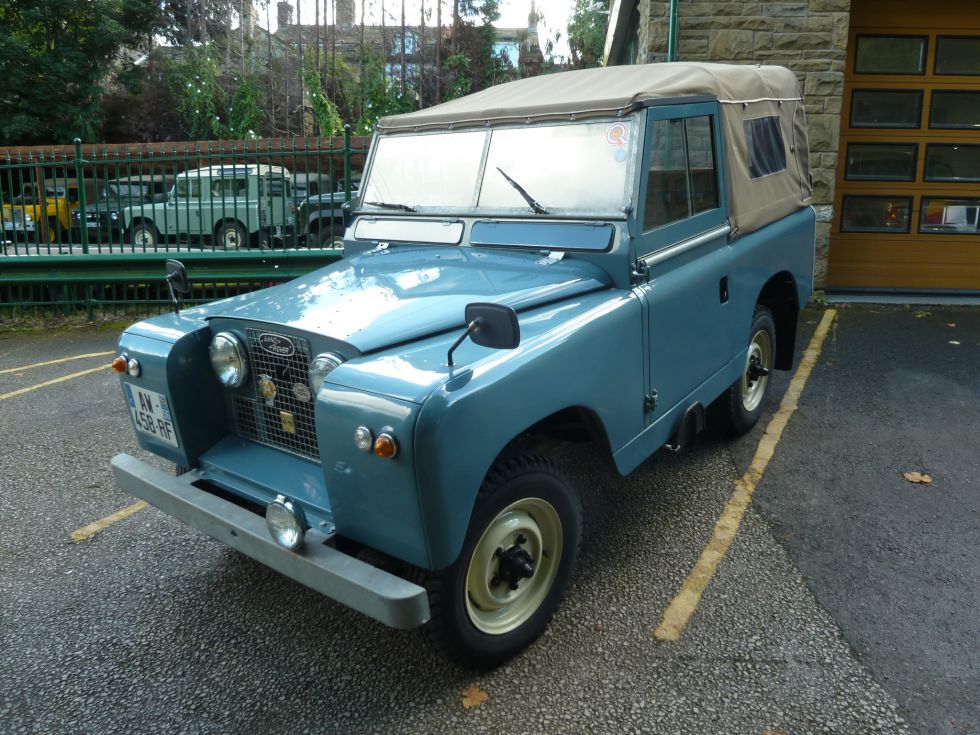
228,359
363,439
286,522
119,364
385,446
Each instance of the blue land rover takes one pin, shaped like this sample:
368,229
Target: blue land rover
596,256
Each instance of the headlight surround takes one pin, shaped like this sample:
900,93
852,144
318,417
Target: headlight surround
320,368
228,359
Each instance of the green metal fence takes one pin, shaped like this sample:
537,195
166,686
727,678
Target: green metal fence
88,228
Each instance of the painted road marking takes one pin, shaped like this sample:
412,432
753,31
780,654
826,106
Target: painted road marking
682,607
28,389
86,532
55,362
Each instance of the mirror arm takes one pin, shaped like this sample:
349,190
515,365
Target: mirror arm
470,328
173,293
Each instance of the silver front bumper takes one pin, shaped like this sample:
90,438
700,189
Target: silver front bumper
351,582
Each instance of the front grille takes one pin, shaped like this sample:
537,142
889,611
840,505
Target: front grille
262,420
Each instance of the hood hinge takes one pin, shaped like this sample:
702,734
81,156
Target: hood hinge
640,273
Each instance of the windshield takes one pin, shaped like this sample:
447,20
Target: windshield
542,168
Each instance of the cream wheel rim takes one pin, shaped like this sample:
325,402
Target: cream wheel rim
528,529
759,356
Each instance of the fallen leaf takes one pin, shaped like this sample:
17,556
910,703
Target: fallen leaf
951,324
954,342
474,697
918,478
599,628
921,314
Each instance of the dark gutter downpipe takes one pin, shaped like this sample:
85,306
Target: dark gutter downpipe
672,32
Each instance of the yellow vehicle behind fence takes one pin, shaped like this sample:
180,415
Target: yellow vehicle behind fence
47,216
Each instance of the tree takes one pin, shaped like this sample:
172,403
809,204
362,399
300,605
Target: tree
55,57
587,33
210,105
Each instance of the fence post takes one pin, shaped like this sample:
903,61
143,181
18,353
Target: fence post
347,156
83,214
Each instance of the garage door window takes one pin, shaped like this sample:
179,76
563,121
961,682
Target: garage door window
955,110
949,216
878,108
881,161
876,214
952,162
890,55
958,55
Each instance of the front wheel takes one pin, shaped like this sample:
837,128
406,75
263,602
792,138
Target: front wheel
745,396
145,235
518,554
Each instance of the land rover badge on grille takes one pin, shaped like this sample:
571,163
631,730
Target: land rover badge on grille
276,344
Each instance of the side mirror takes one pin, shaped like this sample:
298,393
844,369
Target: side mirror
177,276
177,282
489,325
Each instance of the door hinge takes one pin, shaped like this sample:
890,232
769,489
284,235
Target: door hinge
650,402
640,273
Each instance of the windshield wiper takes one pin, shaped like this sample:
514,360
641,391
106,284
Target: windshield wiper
531,202
387,205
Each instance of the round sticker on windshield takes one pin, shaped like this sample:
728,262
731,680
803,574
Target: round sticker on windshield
617,134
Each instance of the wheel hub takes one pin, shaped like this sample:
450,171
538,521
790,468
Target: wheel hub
514,564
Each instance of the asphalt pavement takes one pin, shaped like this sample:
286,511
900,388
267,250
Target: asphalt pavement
846,603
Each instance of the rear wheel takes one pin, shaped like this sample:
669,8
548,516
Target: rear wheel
746,395
231,236
519,551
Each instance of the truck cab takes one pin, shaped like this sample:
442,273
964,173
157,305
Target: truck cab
597,255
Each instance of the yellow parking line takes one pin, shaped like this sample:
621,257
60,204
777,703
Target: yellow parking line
28,389
55,362
86,532
682,607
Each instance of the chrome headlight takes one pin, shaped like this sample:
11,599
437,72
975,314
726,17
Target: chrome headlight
320,368
228,359
286,522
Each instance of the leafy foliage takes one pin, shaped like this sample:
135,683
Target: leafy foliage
587,33
209,106
55,56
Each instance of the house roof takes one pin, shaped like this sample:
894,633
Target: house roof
603,91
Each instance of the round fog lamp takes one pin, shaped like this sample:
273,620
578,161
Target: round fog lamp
286,522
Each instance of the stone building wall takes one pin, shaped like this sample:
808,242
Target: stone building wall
808,36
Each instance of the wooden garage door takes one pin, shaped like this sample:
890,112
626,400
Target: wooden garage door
907,202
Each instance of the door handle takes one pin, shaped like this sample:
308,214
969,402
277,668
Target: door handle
723,290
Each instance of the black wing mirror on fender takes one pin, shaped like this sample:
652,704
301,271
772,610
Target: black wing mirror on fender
490,325
177,282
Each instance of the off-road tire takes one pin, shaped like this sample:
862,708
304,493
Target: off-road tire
745,398
514,479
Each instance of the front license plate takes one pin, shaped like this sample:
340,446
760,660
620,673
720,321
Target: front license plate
151,414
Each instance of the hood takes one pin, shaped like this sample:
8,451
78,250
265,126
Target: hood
384,297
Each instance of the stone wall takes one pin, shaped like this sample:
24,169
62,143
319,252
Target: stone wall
808,36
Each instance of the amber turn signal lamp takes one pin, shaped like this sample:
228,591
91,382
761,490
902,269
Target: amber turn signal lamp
385,446
119,364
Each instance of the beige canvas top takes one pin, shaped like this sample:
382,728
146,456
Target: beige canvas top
746,92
